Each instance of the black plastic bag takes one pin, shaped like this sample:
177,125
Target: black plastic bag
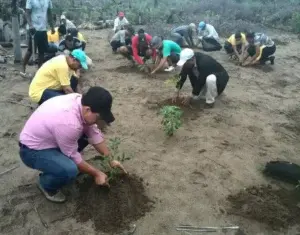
282,170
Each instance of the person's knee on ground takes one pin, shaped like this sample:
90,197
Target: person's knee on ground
123,50
211,89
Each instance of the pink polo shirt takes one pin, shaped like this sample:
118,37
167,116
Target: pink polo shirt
58,123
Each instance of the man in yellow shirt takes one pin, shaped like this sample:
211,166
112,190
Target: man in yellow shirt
235,45
56,76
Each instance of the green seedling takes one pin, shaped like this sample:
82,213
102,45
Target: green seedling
171,119
172,81
115,154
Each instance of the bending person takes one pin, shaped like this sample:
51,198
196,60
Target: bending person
208,78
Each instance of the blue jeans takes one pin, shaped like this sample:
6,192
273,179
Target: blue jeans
57,169
50,93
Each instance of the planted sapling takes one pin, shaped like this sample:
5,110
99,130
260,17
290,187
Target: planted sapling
171,119
115,154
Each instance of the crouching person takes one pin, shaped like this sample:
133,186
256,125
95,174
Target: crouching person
121,38
208,78
58,76
235,45
56,133
261,49
139,49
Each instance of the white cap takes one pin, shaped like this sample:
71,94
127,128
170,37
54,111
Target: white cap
62,17
185,55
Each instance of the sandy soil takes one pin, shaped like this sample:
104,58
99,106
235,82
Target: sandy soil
216,153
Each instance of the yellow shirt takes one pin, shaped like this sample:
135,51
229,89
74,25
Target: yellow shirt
234,42
53,37
54,74
80,37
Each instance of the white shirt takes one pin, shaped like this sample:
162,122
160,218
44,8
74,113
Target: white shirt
119,36
70,24
119,23
39,10
209,32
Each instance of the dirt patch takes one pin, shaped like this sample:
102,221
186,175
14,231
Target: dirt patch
278,208
294,116
125,69
112,210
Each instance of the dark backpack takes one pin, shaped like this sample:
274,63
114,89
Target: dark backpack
282,170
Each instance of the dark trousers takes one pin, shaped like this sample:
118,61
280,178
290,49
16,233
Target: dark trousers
50,93
266,52
229,49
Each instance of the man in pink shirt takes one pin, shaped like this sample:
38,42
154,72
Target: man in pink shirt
140,47
56,133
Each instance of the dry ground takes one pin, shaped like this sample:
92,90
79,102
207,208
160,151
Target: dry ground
217,152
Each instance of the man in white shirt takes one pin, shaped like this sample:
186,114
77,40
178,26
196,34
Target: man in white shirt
38,12
121,38
209,37
120,21
68,23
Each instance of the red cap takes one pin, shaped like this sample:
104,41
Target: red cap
121,14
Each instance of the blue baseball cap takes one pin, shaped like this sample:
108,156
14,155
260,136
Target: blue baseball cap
81,57
201,25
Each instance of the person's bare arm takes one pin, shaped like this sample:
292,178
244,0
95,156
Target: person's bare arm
28,17
160,65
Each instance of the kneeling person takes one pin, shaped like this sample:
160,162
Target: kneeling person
121,38
57,76
208,78
261,49
235,45
69,44
140,47
168,54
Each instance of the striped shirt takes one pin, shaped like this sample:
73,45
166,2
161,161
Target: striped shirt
58,123
261,39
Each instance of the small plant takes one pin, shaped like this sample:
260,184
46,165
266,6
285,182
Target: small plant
172,81
115,154
171,119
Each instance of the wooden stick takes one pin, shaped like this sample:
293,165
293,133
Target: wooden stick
9,170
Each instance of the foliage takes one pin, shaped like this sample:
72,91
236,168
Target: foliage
295,22
171,119
113,144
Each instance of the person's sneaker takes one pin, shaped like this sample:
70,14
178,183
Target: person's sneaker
171,68
272,58
209,106
57,197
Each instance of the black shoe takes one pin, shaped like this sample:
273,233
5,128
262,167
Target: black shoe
272,58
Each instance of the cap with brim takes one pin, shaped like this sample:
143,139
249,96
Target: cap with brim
100,101
63,17
121,14
185,55
81,57
107,116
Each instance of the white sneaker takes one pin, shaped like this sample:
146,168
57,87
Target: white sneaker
171,68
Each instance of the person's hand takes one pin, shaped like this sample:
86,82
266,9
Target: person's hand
101,179
175,97
117,164
187,100
32,30
153,72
